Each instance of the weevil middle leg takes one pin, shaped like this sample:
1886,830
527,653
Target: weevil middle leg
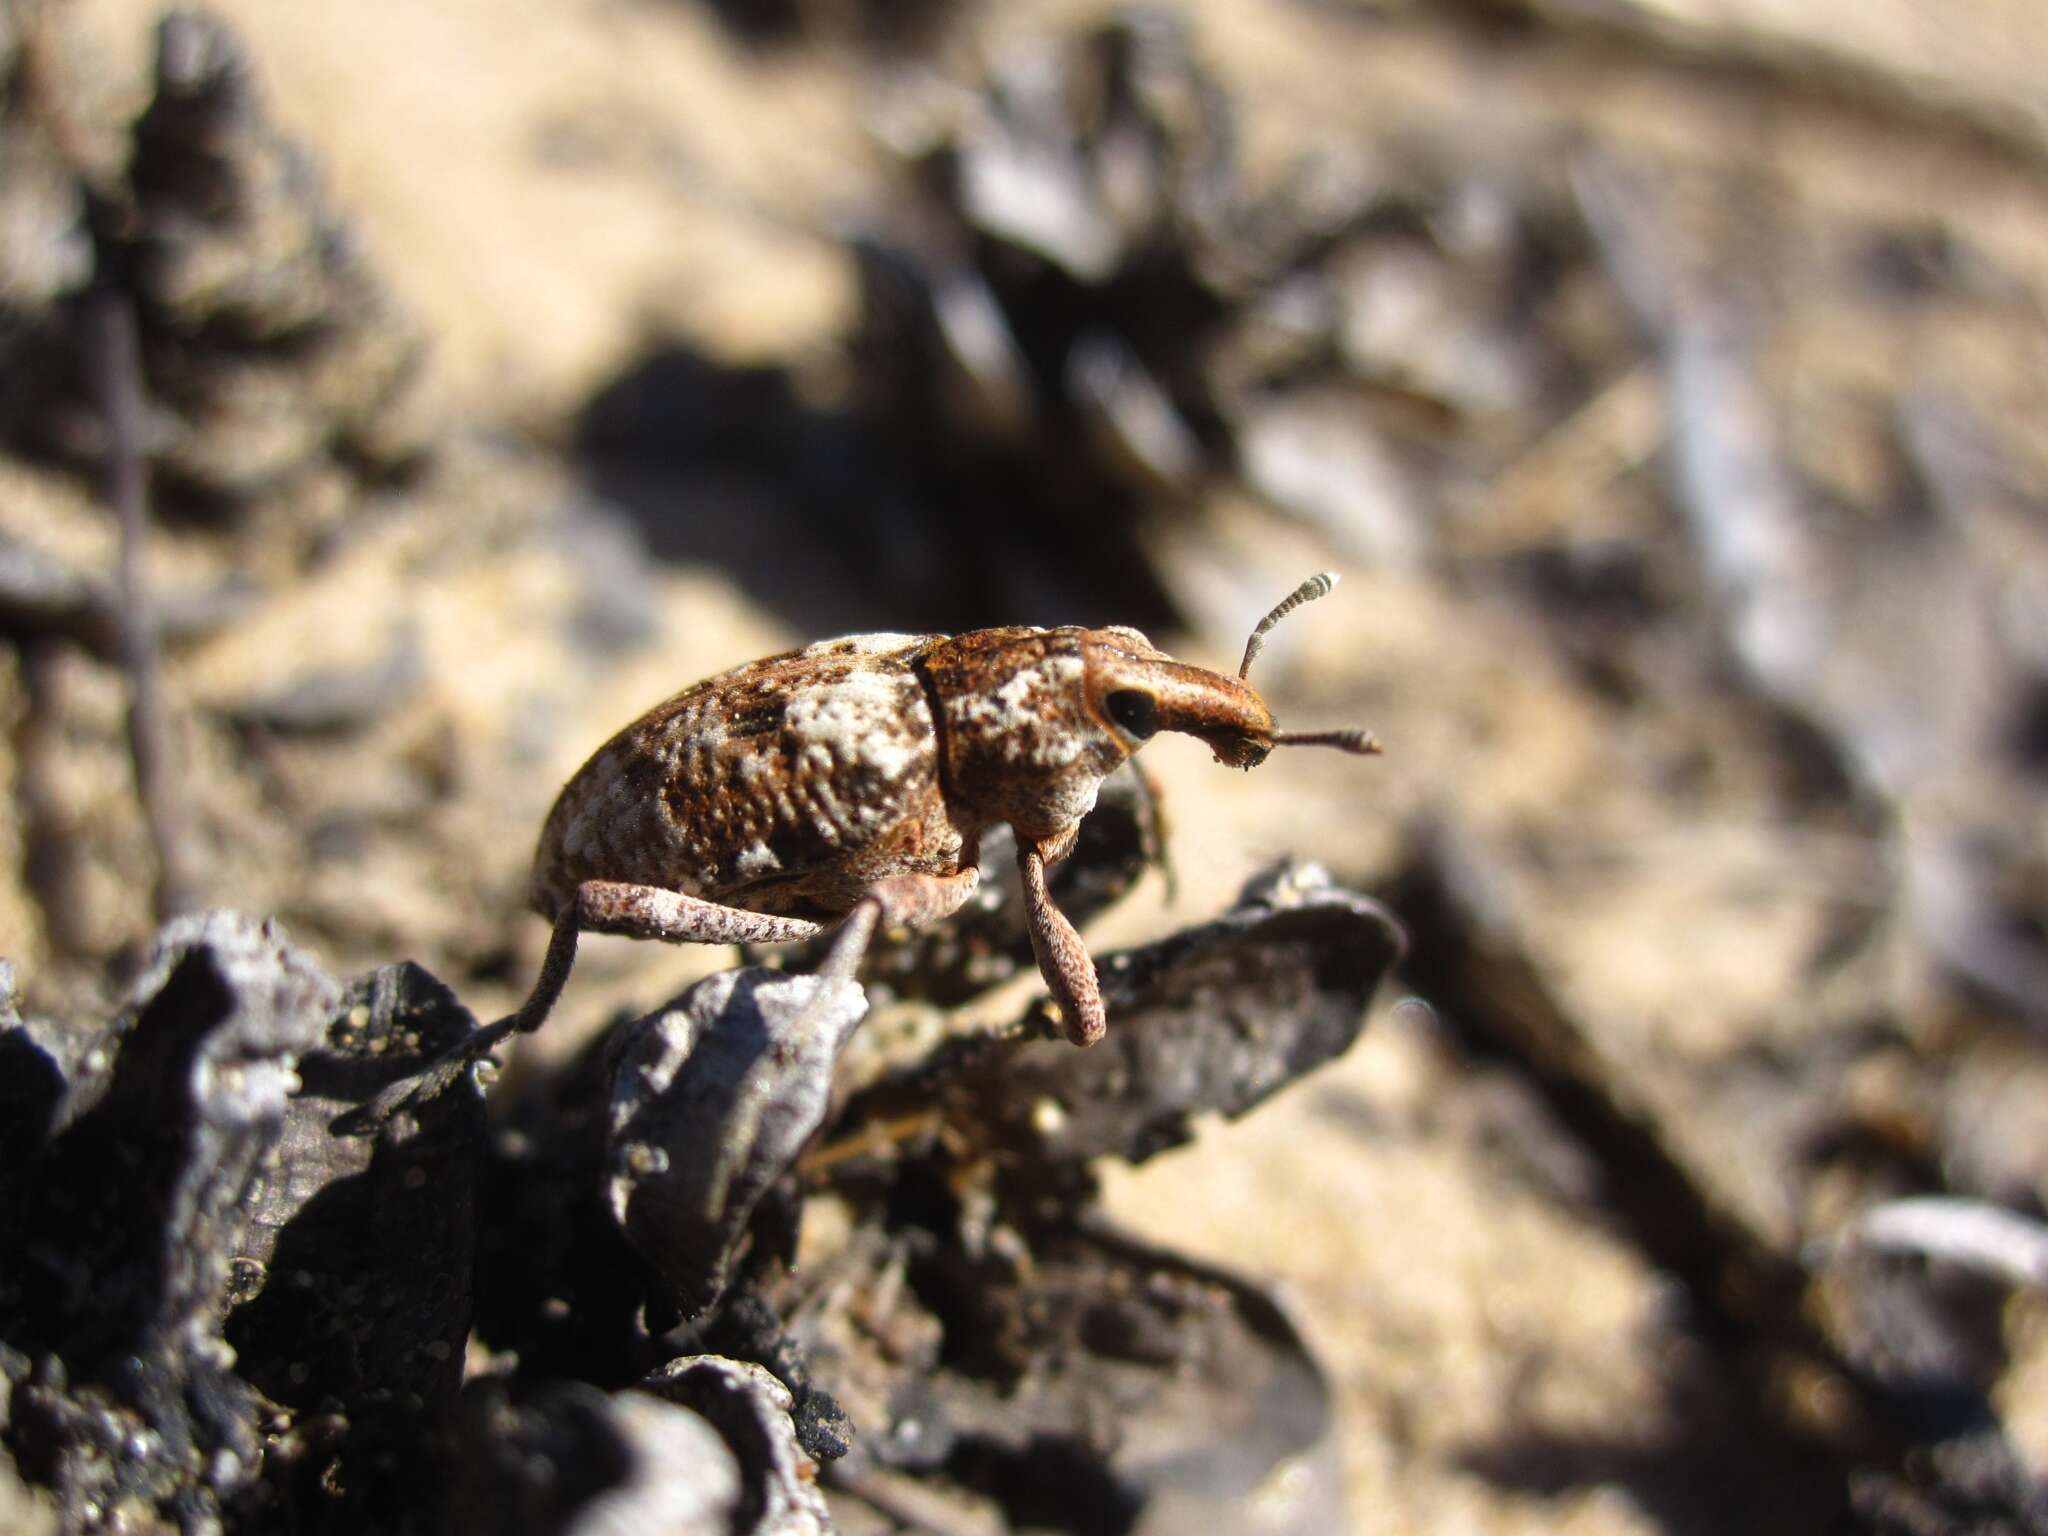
898,901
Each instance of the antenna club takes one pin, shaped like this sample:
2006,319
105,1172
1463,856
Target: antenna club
1316,586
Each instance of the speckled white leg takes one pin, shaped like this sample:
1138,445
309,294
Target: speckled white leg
648,912
601,906
636,912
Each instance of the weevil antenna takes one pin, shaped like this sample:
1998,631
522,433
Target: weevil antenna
1316,586
1357,742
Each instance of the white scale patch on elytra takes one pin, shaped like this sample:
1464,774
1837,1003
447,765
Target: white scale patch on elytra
857,719
1133,638
831,814
863,645
754,861
592,828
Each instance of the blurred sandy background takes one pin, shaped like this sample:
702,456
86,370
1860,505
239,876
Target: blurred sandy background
1667,380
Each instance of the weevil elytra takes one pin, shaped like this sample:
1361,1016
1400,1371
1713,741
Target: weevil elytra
851,782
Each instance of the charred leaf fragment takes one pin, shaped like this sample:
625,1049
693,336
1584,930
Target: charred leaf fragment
751,1409
33,1073
747,1328
1928,1338
595,1229
712,1099
1213,1019
569,1460
354,1282
214,1306
1208,1387
557,1283
864,1330
138,1210
993,1339
1104,1387
1966,1486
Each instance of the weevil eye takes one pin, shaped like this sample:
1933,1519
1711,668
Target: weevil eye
1135,710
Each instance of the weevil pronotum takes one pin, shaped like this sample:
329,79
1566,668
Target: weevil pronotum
851,782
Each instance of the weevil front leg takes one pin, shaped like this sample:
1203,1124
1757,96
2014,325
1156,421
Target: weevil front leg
1062,957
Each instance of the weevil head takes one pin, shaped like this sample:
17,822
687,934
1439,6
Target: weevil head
1030,721
1140,691
1137,691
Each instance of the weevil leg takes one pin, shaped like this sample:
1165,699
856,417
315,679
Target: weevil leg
638,912
600,906
898,901
648,912
1062,957
1055,848
554,975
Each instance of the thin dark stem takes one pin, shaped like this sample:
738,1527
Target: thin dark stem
114,364
53,858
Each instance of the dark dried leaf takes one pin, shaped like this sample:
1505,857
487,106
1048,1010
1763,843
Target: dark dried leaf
712,1099
569,1460
751,1409
353,1283
139,1208
1213,1019
1111,1387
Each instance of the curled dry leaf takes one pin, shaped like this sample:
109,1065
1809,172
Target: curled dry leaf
569,1460
711,1101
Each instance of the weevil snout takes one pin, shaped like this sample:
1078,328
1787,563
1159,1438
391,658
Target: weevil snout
1140,691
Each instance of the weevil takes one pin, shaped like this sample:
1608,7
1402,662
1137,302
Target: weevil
851,783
